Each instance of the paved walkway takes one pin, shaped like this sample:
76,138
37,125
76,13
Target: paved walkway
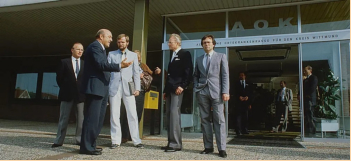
23,140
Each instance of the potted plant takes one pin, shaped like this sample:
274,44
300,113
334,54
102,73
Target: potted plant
329,93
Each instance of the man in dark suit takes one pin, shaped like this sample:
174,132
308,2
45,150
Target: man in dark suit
243,96
69,78
211,85
179,76
95,85
309,99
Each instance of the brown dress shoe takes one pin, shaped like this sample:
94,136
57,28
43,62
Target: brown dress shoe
124,140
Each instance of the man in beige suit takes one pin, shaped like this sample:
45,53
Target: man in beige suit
283,104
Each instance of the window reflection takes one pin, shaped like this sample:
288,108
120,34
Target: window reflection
325,16
192,27
26,85
268,21
50,88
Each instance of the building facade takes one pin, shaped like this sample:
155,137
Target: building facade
270,41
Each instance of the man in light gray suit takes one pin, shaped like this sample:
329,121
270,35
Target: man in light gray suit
283,104
119,89
211,85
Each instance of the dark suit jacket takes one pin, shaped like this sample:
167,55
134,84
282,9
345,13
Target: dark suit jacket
241,91
180,72
309,89
66,80
97,70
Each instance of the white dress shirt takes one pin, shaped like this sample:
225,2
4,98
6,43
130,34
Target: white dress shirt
205,59
243,83
74,65
282,94
175,54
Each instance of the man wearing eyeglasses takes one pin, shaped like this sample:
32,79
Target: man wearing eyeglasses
69,78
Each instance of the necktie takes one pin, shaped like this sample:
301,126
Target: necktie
77,67
207,62
123,56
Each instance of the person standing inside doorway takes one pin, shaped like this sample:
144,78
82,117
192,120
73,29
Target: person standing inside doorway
69,79
180,69
211,85
283,103
309,99
243,96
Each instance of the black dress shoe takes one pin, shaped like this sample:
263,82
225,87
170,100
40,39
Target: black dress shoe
207,151
170,149
222,153
98,149
55,145
91,152
164,147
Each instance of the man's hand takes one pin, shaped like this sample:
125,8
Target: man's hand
157,70
141,75
179,90
246,98
164,96
125,64
249,107
241,98
225,97
136,93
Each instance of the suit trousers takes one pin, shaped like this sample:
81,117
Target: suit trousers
139,101
205,102
308,117
65,110
242,118
115,108
94,115
281,109
173,105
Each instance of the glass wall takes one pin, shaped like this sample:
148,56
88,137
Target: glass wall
329,60
325,16
196,26
325,118
268,21
49,88
26,85
345,84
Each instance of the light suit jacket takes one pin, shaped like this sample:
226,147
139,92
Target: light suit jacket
288,97
217,77
126,75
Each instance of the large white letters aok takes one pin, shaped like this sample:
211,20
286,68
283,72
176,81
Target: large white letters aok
238,26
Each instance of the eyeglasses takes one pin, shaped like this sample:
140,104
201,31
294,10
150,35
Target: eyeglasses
79,49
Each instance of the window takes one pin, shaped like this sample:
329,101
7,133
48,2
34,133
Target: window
192,27
50,88
325,16
268,21
26,85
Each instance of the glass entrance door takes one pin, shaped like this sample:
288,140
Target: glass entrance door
265,68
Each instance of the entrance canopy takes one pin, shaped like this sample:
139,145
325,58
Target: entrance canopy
48,29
